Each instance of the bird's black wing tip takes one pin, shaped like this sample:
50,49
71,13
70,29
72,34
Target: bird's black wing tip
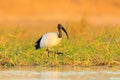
37,45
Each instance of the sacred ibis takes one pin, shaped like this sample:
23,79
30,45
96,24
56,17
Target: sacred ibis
51,39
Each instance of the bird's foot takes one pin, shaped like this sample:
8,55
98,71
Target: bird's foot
58,53
55,53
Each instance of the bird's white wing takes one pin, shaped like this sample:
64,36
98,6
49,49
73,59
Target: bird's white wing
50,39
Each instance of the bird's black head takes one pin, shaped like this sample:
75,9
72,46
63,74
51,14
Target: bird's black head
37,45
61,27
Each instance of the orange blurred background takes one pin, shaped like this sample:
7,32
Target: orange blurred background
37,12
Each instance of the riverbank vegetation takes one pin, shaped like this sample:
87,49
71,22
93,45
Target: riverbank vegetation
88,46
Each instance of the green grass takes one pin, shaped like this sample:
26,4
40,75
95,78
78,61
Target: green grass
86,48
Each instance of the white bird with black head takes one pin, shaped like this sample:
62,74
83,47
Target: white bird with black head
51,39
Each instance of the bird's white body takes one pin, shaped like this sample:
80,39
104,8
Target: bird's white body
49,40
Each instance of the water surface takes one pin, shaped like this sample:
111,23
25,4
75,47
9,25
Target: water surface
62,73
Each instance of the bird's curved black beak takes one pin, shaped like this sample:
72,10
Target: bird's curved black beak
65,32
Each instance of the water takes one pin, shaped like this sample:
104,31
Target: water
63,73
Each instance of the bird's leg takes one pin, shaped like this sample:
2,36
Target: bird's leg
48,51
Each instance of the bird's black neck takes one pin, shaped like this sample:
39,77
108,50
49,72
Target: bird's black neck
59,33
